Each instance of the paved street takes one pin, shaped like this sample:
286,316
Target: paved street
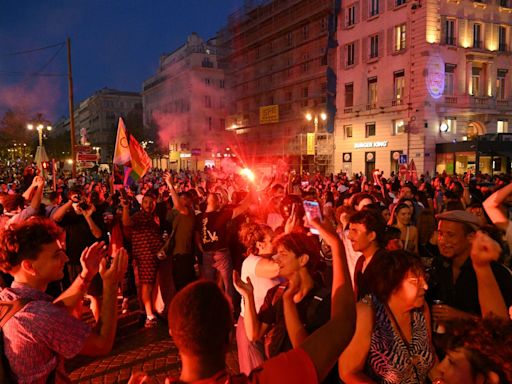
136,349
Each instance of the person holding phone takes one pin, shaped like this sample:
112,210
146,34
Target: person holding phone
287,318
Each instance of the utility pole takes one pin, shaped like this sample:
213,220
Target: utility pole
71,112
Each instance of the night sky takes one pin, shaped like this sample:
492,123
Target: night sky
115,44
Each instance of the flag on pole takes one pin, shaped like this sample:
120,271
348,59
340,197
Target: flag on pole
122,151
140,162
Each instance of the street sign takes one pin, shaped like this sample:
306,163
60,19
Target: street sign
83,149
87,156
402,159
86,164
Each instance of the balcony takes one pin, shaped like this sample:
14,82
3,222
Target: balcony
397,102
371,106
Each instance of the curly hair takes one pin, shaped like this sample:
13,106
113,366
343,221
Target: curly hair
487,344
24,241
251,233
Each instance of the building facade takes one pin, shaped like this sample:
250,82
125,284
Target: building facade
97,116
416,76
184,102
276,56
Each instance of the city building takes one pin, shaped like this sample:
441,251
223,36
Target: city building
276,56
185,104
427,81
97,116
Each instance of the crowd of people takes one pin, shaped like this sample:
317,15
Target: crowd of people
327,278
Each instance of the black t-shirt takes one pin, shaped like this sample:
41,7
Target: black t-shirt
79,235
213,229
463,295
314,310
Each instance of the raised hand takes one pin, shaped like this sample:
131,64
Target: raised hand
484,249
244,289
115,273
91,258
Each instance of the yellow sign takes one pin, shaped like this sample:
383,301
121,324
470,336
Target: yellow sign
269,114
310,144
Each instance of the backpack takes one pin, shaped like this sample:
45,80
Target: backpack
7,310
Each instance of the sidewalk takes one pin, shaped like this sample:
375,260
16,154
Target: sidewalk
136,349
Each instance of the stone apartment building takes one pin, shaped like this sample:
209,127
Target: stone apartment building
430,79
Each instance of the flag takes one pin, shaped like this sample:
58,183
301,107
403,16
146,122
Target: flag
122,151
140,161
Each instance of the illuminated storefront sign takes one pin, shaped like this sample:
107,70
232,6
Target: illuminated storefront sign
371,144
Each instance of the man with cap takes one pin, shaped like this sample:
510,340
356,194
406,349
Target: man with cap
467,279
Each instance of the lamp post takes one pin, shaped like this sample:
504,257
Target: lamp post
97,149
315,117
40,153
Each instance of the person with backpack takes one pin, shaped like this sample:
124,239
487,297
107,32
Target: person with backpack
44,332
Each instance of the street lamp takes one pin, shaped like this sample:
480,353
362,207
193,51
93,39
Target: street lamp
41,156
40,129
315,117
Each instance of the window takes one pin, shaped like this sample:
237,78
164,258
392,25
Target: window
398,127
374,46
347,131
349,95
351,15
289,39
450,32
400,37
475,82
372,93
207,101
305,92
398,87
305,32
370,129
500,84
400,2
305,64
477,36
323,23
207,63
207,81
222,83
209,123
374,7
504,3
350,54
502,126
502,38
449,70
223,124
288,96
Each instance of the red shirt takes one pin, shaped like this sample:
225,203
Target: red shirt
293,366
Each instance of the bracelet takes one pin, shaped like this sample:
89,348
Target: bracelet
85,281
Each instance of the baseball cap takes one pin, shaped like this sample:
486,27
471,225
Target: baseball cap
460,216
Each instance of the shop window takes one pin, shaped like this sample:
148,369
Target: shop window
502,126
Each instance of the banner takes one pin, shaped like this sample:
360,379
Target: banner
310,144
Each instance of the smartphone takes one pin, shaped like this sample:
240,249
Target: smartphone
124,196
313,211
